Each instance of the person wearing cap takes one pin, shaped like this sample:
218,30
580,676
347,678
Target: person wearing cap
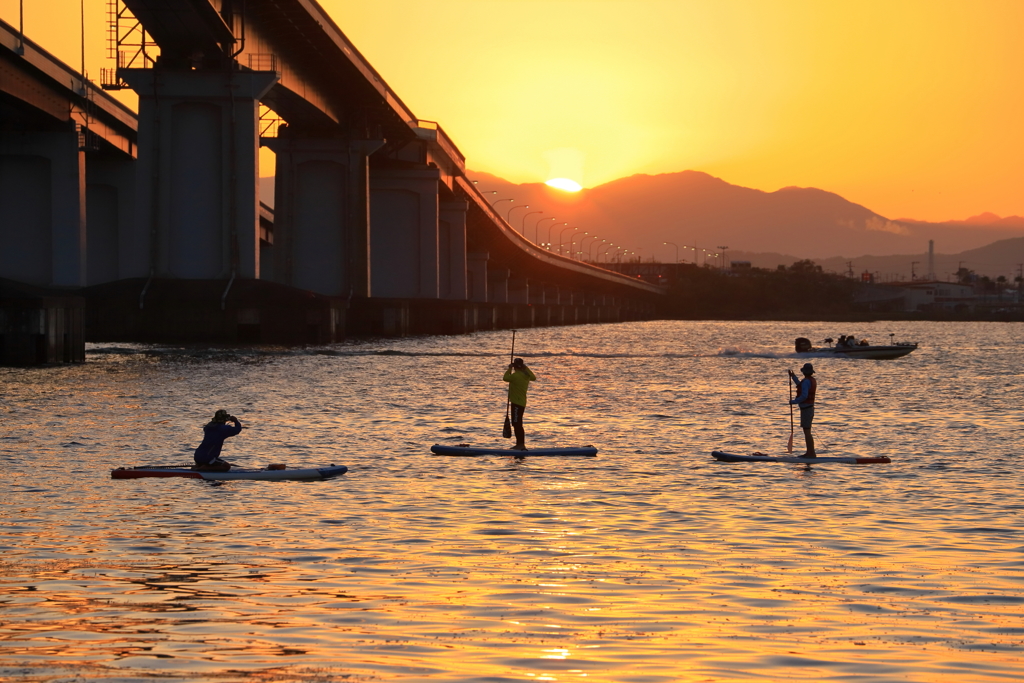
207,455
805,390
518,377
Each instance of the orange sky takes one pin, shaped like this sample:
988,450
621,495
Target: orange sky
911,108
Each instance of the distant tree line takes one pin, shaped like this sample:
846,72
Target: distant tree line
983,282
800,291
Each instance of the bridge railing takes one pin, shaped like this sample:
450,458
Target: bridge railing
431,130
262,61
128,42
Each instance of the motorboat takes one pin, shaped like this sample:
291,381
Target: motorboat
855,348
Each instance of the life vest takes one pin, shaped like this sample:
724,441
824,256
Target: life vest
812,388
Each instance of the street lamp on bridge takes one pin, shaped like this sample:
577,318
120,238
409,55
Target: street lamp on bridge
508,214
499,201
677,249
548,243
592,248
583,251
572,243
723,255
523,224
562,232
536,227
484,191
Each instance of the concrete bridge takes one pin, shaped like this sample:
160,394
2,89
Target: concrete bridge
156,221
67,160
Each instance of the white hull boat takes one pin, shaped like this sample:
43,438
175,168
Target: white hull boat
854,350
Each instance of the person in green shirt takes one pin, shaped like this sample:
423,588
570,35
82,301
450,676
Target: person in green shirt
518,377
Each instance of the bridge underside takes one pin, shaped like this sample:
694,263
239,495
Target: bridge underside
155,219
257,311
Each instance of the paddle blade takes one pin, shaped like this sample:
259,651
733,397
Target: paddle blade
506,431
789,446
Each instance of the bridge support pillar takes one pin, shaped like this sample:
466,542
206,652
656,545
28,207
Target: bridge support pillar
322,214
476,276
405,240
110,197
497,285
538,294
42,208
519,290
451,229
198,196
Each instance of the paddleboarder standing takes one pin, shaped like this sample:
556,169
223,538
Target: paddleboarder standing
805,390
207,455
518,377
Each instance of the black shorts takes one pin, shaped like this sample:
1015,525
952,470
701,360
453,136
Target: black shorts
806,417
517,414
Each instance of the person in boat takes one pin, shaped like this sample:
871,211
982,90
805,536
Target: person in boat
207,455
842,341
518,377
805,390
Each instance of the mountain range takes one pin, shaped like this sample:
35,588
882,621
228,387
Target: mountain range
697,213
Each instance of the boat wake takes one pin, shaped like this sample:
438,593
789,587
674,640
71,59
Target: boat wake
258,353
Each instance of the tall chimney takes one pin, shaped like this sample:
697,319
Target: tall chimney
931,259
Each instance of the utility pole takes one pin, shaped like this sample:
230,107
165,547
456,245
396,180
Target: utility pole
19,49
913,275
849,268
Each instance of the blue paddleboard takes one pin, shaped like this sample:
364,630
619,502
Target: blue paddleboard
758,457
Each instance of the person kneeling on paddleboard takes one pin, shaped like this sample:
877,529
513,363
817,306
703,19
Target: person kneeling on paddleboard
805,390
518,377
207,455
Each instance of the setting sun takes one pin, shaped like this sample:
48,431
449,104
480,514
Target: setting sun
564,184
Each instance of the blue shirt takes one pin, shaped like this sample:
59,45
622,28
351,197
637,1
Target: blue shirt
214,435
806,388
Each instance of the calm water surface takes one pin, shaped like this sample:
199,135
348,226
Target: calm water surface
649,563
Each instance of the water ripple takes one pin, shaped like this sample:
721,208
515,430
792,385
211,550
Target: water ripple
652,562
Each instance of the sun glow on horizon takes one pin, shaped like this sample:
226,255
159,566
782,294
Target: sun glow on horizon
564,184
761,95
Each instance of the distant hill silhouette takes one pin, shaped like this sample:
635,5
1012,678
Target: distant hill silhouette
1003,257
986,218
766,228
691,208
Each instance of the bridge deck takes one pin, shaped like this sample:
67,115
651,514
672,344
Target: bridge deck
38,79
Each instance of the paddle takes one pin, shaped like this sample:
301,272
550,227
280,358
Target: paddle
789,446
506,431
